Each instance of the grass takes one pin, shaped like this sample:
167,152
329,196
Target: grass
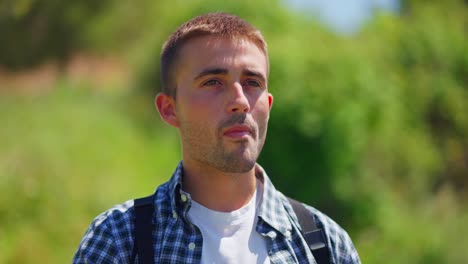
65,157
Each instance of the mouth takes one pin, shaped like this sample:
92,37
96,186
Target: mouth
238,132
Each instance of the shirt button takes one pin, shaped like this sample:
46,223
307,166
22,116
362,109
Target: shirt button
174,214
287,234
183,197
272,234
191,246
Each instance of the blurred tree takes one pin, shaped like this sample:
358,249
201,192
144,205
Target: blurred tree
369,128
38,30
434,58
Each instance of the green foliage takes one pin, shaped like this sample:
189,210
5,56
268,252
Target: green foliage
65,157
371,129
37,30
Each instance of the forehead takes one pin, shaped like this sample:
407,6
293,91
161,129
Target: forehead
218,51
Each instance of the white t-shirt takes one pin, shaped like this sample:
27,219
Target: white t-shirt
231,237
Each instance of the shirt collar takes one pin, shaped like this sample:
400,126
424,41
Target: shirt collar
271,209
180,200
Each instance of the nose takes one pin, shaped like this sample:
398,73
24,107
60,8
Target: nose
238,102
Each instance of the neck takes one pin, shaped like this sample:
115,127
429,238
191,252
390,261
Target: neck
217,190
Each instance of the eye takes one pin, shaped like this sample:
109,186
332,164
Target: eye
212,82
253,83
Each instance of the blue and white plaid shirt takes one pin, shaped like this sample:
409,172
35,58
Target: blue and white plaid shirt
109,239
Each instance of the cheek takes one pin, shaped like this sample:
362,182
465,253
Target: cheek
261,117
197,116
193,109
198,101
262,107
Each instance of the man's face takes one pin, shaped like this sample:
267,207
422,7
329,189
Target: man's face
222,102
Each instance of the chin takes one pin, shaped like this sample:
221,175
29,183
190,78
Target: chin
239,166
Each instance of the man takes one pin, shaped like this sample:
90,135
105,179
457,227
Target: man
219,206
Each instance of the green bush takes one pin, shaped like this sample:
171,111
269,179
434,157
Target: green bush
66,157
369,128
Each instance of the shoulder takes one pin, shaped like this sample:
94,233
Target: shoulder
118,217
339,242
109,237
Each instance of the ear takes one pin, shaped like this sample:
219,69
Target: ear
167,109
270,100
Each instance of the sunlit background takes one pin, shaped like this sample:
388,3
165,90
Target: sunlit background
370,122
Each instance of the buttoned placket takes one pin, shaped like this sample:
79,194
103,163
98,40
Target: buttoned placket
277,255
195,243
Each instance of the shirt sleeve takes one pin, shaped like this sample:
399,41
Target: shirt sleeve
97,245
344,250
340,244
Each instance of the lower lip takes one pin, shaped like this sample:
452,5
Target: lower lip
238,134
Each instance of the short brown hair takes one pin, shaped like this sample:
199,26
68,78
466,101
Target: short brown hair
221,24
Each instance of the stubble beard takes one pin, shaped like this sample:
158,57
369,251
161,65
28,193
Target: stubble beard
229,157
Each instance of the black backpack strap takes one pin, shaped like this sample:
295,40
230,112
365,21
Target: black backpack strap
143,242
313,235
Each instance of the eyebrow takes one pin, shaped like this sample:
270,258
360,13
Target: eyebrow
211,71
252,73
223,71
